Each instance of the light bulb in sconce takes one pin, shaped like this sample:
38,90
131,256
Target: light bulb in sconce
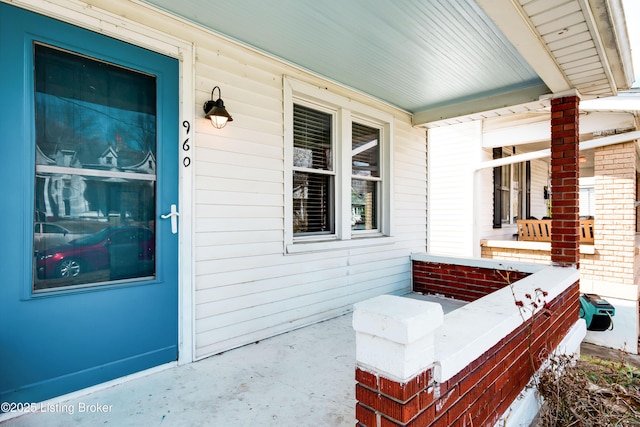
215,111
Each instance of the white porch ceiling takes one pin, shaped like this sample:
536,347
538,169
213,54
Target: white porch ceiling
441,60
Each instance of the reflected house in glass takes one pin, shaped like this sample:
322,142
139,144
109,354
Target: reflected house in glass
77,196
109,158
95,139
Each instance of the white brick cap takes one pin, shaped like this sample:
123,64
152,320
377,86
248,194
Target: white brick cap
397,319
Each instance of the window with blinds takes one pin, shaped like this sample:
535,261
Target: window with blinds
511,190
587,198
313,172
337,170
365,179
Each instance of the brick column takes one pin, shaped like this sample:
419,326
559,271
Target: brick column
395,360
565,191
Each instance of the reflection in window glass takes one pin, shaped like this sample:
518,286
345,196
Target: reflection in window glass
365,159
364,202
95,171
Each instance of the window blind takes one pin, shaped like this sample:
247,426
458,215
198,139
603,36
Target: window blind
313,176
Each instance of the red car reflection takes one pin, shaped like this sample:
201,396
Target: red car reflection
126,251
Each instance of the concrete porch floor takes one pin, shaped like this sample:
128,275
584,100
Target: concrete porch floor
300,378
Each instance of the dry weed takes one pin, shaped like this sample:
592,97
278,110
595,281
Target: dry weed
589,393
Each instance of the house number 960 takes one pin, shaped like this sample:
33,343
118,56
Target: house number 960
185,145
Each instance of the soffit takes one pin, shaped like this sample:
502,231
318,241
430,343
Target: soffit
578,46
444,61
415,55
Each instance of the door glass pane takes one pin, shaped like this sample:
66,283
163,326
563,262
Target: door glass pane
95,183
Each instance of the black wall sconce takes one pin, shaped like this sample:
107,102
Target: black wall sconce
215,111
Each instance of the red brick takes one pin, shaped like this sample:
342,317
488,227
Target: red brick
456,411
440,422
366,416
446,400
403,391
367,378
401,412
384,422
564,170
367,397
425,418
426,398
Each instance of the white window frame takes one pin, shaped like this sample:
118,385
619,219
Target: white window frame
587,196
345,111
515,178
517,191
333,171
378,180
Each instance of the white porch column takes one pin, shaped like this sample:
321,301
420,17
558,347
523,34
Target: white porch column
395,336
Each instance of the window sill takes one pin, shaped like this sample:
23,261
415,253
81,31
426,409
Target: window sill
336,245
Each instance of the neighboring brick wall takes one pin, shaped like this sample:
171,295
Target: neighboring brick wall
615,215
464,283
637,198
523,255
590,267
565,205
479,394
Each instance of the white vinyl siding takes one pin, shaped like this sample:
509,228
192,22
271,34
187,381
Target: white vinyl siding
454,152
245,287
539,181
485,202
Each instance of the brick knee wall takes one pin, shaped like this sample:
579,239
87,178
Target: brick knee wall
465,283
479,394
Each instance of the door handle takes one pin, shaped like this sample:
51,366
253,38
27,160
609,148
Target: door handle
174,214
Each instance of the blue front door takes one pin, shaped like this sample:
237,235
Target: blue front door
89,152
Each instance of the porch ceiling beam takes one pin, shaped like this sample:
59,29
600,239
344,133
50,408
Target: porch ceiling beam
517,97
521,32
541,154
541,131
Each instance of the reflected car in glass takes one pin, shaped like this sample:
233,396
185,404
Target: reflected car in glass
46,235
125,251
